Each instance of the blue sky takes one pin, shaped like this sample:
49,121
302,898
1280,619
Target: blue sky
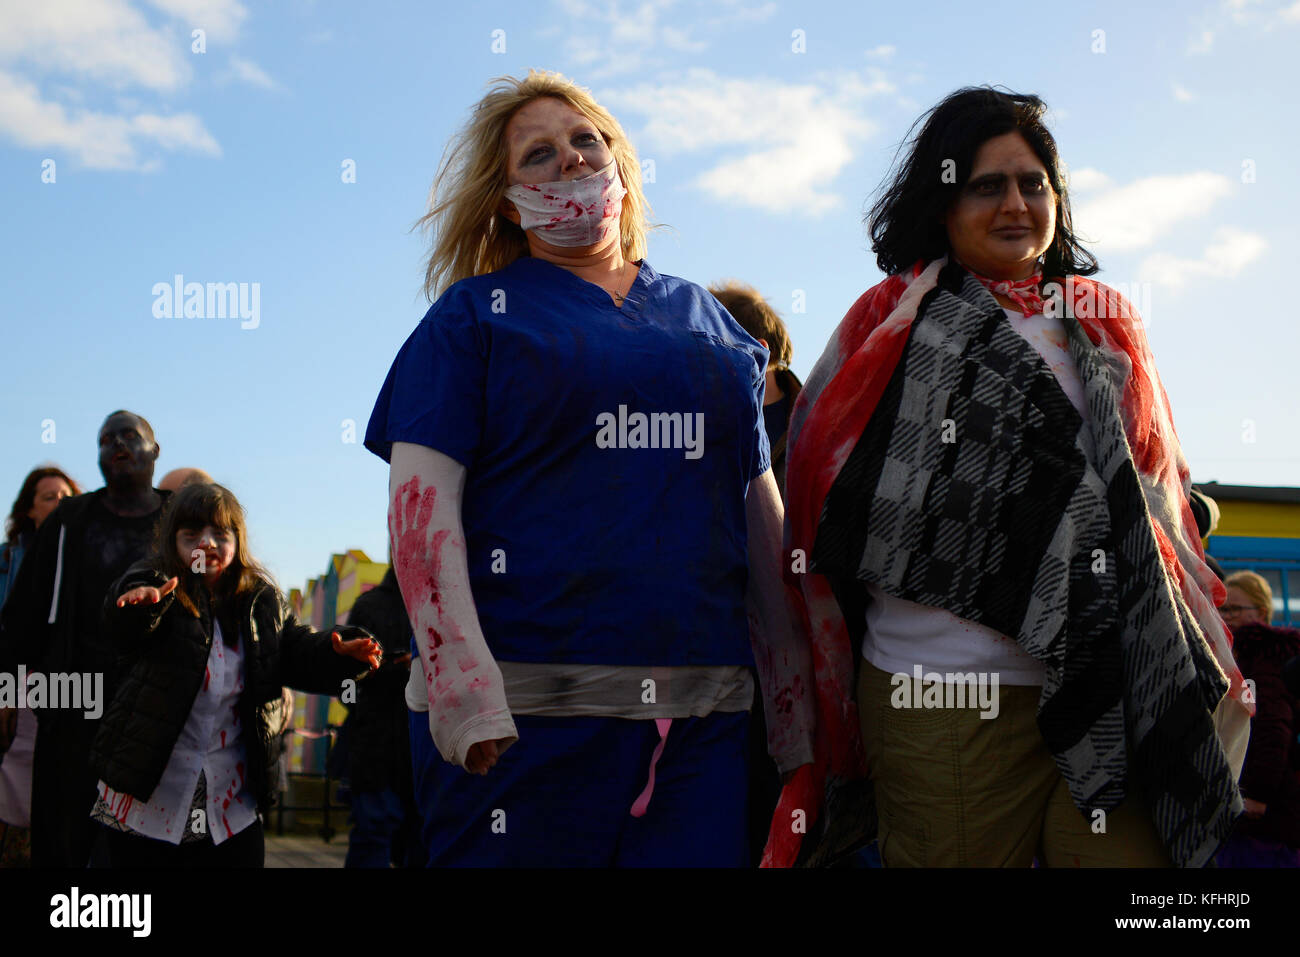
769,126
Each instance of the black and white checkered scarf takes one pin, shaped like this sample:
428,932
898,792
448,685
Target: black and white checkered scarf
978,488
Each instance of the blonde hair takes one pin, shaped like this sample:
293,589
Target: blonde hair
1256,589
469,235
757,317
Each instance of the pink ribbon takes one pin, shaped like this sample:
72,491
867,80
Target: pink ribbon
643,801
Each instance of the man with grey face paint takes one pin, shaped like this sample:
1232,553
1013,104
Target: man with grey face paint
51,623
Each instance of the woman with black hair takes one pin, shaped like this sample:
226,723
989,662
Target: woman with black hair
986,483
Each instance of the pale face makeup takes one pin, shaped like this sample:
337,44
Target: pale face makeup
1005,217
210,549
548,141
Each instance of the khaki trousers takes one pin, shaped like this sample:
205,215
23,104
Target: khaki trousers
957,790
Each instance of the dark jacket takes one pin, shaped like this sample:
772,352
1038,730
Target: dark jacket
162,655
11,559
37,622
378,724
790,387
1271,773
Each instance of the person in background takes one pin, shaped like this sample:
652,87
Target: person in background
186,752
581,592
52,623
757,317
1269,833
40,493
174,479
781,388
385,821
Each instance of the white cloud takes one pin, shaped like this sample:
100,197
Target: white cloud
105,40
882,52
1135,215
1083,180
220,19
95,58
98,140
771,145
1231,251
735,11
608,39
1263,14
1182,94
680,40
246,71
1201,42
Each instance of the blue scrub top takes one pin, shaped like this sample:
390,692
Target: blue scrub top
585,545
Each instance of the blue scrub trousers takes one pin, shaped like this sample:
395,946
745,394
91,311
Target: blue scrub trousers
379,824
561,796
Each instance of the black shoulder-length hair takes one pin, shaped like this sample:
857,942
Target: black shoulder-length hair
906,222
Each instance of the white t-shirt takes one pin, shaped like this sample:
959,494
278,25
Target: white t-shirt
1047,336
902,634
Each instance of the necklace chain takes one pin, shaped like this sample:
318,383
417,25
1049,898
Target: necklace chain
620,297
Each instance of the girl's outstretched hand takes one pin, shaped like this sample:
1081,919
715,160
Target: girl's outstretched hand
365,650
147,594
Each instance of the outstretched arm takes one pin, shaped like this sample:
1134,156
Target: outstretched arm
781,652
468,716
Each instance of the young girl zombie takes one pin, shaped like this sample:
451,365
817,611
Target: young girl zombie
187,749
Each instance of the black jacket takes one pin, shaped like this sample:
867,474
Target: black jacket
1271,774
38,620
378,729
790,387
162,655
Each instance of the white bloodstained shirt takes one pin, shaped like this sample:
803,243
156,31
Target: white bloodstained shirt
211,744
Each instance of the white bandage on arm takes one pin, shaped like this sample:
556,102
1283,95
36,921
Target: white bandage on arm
463,685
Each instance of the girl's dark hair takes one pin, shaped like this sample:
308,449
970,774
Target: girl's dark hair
195,506
906,222
19,522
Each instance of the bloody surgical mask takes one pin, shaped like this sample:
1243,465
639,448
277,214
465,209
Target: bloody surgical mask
576,212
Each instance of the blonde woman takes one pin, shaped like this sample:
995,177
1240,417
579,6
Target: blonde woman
580,497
